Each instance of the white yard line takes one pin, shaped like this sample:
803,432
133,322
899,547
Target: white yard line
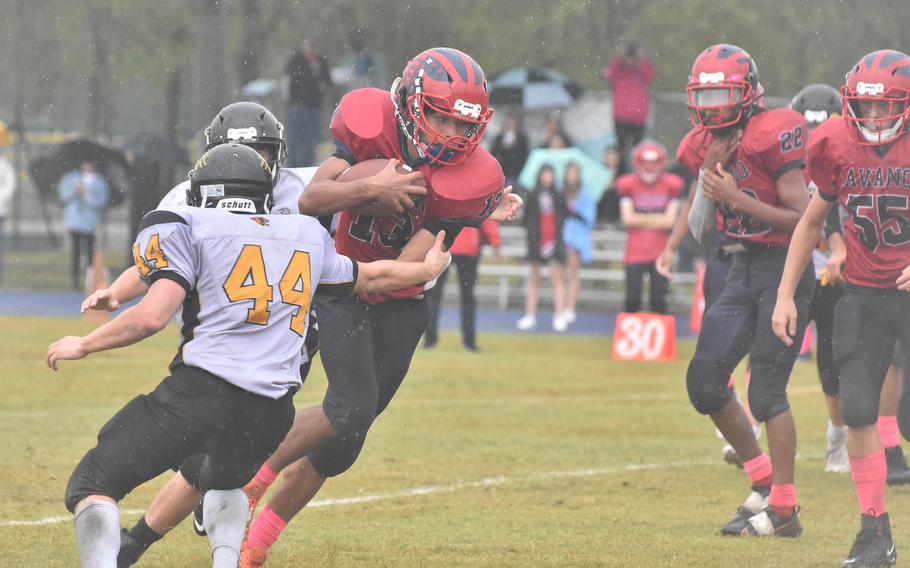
432,489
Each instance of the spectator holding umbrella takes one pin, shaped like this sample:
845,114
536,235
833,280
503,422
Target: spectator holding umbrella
465,256
84,194
581,210
649,204
630,76
545,214
511,148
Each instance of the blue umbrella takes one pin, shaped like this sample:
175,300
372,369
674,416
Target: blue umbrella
533,88
595,177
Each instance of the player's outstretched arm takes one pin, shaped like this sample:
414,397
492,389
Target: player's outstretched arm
146,318
325,195
126,287
508,208
806,234
388,275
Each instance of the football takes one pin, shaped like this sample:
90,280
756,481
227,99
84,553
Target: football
369,168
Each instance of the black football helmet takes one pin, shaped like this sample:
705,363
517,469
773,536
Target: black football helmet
817,103
234,177
250,124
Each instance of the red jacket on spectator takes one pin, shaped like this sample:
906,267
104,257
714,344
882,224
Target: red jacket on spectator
630,88
468,241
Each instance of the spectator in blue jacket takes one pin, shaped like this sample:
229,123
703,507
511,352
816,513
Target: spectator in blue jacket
84,194
581,213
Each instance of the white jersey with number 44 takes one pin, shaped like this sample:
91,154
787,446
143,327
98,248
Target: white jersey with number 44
249,281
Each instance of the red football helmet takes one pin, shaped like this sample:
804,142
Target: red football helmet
445,81
723,88
649,160
882,77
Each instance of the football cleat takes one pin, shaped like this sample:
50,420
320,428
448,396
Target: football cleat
527,323
198,527
873,545
898,472
254,491
753,505
837,461
767,523
252,557
130,550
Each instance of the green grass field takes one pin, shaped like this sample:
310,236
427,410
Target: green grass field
540,451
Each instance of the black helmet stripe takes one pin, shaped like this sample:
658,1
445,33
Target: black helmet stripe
455,59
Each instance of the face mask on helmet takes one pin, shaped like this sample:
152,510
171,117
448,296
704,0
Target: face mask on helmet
723,88
876,97
441,105
718,107
649,162
250,124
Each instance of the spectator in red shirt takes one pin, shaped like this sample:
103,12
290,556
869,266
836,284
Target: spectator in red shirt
466,256
649,204
630,76
545,214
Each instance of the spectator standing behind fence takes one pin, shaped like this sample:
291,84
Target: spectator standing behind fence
84,195
649,204
7,188
545,213
511,148
308,72
608,206
630,76
581,211
465,256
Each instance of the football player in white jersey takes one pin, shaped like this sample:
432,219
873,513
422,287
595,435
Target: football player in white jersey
245,280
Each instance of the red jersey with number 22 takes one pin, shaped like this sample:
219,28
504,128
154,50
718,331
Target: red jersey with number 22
773,143
364,128
874,189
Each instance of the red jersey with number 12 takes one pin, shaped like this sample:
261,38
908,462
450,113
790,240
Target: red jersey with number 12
364,128
874,189
773,143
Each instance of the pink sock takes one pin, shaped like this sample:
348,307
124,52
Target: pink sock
783,499
759,470
888,431
869,475
266,529
265,475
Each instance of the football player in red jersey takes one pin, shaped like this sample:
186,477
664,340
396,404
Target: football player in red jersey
649,205
761,193
863,161
432,122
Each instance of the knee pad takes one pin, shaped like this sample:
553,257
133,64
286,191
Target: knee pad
830,381
87,480
767,400
707,386
351,415
337,455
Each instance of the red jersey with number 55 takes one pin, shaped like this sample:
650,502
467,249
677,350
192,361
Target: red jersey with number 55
364,128
874,189
773,143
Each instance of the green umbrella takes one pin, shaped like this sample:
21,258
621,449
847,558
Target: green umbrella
595,177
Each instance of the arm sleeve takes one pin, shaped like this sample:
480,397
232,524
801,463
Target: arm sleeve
164,248
452,227
338,274
702,218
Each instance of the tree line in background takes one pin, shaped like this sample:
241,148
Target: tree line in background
114,67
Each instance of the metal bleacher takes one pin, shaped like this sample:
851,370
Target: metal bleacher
501,282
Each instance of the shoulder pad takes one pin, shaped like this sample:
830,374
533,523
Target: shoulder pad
477,177
362,114
771,124
163,216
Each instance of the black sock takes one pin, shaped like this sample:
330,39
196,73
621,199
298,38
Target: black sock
143,535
